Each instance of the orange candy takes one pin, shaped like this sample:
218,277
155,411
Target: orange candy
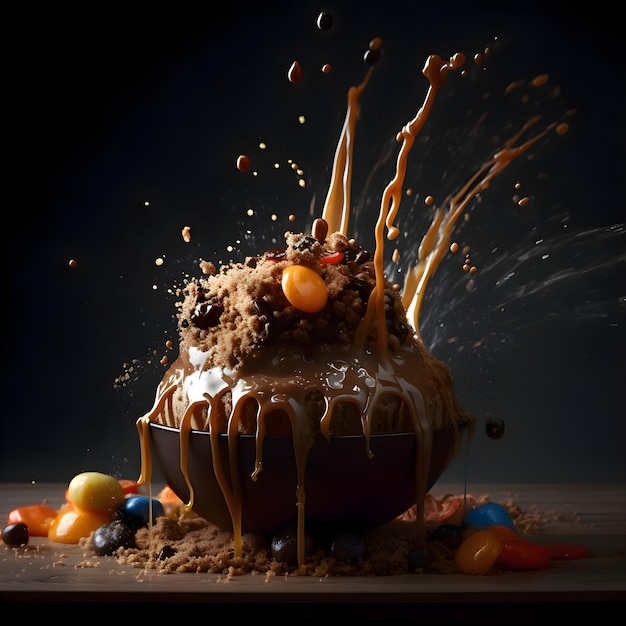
38,518
478,553
167,495
304,288
172,504
72,524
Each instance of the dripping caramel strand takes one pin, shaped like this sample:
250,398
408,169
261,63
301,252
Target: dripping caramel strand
230,491
336,211
143,428
234,502
436,71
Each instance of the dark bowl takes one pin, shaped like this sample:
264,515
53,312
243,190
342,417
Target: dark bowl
344,487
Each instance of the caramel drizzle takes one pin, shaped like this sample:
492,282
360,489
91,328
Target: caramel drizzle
336,211
436,242
436,71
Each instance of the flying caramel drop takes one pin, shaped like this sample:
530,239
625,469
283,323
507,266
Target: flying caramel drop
324,21
243,163
295,72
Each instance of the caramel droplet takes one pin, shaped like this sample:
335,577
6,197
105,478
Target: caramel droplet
371,57
72,263
561,129
324,21
295,72
320,229
186,233
243,163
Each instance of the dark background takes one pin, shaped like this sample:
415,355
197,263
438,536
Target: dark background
109,107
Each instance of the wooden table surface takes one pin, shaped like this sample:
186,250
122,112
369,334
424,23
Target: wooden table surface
592,515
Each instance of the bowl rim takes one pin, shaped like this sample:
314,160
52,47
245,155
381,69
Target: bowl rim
194,431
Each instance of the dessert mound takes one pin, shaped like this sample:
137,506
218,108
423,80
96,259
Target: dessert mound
244,307
250,350
308,343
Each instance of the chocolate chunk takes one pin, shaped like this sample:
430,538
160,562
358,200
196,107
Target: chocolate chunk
206,315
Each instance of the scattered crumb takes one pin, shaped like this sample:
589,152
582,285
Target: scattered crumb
87,565
190,543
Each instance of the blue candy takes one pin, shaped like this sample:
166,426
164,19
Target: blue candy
135,512
489,515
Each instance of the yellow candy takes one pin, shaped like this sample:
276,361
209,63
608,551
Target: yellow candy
94,491
304,288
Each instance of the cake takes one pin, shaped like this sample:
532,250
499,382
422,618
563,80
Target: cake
252,361
311,343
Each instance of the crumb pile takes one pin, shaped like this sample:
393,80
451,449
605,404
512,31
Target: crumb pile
190,543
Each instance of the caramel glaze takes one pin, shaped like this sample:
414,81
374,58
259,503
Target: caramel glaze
421,384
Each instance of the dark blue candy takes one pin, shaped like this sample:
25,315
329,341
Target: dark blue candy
347,546
15,534
419,558
489,515
108,538
451,535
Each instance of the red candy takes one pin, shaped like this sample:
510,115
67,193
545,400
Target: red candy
334,257
566,551
129,486
38,518
520,554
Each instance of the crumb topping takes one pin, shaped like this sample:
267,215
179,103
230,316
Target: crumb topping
231,313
